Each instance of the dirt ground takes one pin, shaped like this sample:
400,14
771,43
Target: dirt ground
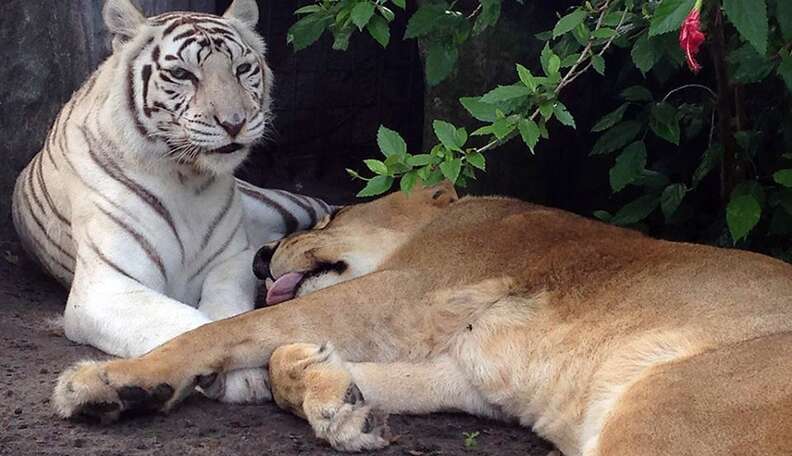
32,354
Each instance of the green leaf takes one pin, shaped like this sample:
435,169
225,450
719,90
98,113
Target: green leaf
529,132
553,65
526,77
569,22
610,119
341,39
484,131
489,15
671,199
617,137
451,169
419,159
605,216
400,3
308,9
440,61
546,57
709,161
461,136
570,60
581,34
376,186
783,177
748,66
629,166
423,21
447,134
379,30
390,142
563,115
644,54
749,187
784,18
477,159
306,31
377,167
637,93
484,112
361,13
604,33
636,211
750,19
502,128
505,93
386,13
669,15
408,181
742,215
598,63
785,71
652,180
664,122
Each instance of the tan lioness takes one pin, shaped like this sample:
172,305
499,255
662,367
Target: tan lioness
604,341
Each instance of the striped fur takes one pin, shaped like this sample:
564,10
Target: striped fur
132,201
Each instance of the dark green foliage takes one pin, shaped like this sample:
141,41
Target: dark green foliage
672,157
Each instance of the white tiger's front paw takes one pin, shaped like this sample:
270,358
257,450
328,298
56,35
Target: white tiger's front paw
243,386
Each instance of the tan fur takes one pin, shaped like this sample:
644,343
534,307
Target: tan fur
603,340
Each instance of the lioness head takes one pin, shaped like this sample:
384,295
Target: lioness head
351,243
195,84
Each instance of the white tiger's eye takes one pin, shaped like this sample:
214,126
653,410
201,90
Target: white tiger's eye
242,69
182,74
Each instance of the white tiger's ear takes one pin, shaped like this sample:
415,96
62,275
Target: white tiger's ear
123,19
245,11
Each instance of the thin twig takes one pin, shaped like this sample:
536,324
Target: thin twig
475,12
691,86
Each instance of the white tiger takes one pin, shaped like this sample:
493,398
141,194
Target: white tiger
132,200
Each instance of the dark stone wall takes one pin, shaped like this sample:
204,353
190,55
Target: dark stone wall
49,47
43,65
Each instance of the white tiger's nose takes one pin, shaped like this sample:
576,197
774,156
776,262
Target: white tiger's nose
232,127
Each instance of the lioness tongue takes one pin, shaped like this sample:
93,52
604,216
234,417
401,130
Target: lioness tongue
284,288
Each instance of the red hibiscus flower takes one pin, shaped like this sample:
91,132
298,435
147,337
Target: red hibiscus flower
691,37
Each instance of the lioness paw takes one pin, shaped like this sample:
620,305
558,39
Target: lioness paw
313,382
97,390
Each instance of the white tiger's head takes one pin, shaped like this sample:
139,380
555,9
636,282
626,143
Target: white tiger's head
196,85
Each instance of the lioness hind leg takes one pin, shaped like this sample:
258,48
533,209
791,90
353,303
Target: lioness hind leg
313,382
734,400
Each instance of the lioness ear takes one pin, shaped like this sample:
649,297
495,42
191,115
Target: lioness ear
442,194
123,19
245,11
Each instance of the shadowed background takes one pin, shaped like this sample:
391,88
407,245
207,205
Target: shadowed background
328,104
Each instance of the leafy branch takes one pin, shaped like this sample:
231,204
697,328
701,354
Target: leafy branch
521,109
